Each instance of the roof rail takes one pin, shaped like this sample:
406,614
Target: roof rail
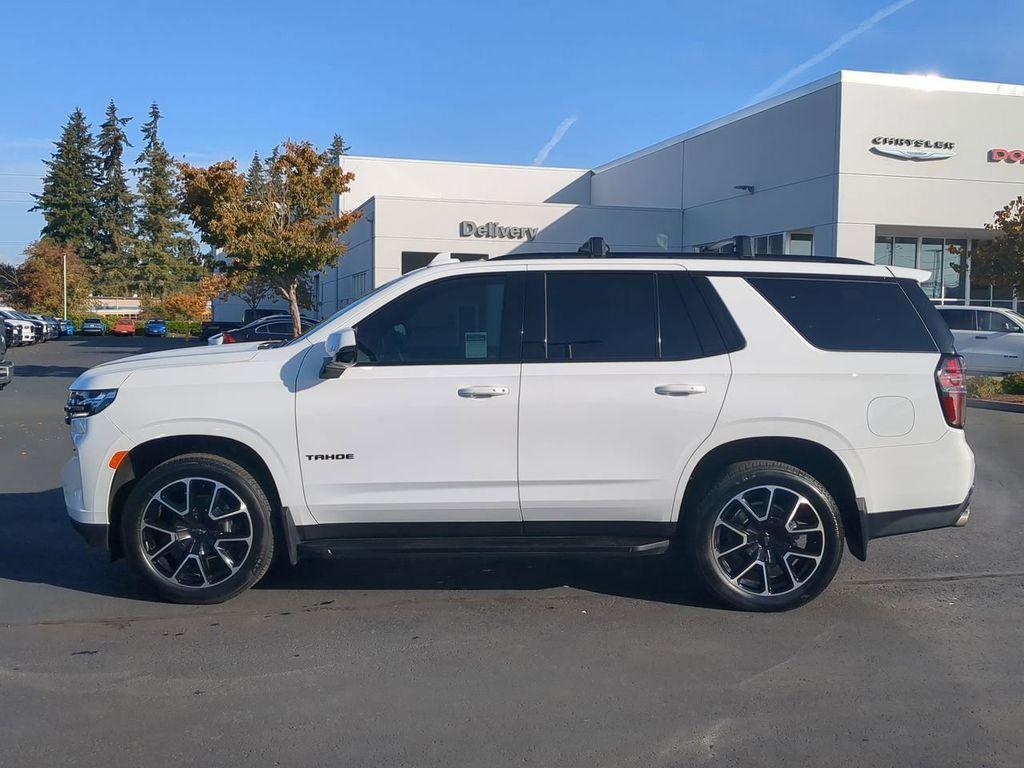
680,255
741,247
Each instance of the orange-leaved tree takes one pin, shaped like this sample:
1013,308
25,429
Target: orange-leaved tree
40,285
279,231
194,302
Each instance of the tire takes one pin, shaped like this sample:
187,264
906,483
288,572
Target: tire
188,554
772,563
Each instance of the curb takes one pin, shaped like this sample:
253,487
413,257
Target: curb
995,405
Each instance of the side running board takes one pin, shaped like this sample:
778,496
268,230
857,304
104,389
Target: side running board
483,545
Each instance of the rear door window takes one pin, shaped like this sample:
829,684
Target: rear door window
677,299
848,315
601,316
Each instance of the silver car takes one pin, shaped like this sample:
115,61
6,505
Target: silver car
990,339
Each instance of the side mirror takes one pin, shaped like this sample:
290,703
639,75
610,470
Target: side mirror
340,347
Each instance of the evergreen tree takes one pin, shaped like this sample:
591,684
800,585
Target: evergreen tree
69,189
167,250
115,204
338,148
255,178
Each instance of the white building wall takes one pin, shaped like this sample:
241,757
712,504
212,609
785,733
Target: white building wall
385,177
652,180
806,154
954,197
788,153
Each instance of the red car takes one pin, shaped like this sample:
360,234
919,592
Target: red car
124,327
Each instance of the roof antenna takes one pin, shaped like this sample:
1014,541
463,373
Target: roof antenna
595,248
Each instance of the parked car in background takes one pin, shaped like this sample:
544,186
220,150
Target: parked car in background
156,328
38,326
58,330
124,326
93,326
18,330
271,328
6,366
67,328
990,339
212,328
50,329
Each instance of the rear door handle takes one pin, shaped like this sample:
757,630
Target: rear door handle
679,390
481,392
981,338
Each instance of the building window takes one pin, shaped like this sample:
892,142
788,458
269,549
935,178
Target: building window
883,250
770,245
946,259
801,244
360,285
904,252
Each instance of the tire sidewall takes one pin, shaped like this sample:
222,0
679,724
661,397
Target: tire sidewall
732,484
240,482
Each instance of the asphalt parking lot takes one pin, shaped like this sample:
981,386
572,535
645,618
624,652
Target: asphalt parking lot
911,659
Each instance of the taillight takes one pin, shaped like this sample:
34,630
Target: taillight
229,339
951,383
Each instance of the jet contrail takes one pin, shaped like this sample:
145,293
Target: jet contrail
556,137
838,43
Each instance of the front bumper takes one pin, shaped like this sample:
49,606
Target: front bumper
6,370
95,534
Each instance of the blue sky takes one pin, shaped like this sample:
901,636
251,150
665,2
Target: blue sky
484,81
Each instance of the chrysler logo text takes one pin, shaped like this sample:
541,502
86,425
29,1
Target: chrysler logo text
913,149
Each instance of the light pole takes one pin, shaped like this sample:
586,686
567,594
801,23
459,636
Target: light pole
64,254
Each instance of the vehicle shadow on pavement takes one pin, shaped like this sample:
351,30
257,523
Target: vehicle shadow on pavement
655,578
39,546
49,371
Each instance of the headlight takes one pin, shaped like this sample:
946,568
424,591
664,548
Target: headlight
87,402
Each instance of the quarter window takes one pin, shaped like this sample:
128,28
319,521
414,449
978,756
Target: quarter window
848,315
459,320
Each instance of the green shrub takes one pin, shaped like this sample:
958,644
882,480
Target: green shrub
1013,384
183,328
983,387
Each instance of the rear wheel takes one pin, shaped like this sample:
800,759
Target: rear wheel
198,529
767,536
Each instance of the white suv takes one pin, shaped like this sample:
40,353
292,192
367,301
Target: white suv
758,415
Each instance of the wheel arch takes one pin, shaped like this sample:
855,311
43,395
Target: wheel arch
814,458
147,455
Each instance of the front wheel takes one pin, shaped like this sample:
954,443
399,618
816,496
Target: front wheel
198,529
766,536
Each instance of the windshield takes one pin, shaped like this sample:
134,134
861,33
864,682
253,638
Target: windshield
346,308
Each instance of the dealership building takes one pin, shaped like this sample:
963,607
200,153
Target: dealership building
894,169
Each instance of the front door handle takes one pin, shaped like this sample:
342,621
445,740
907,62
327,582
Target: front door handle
981,338
680,390
480,392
